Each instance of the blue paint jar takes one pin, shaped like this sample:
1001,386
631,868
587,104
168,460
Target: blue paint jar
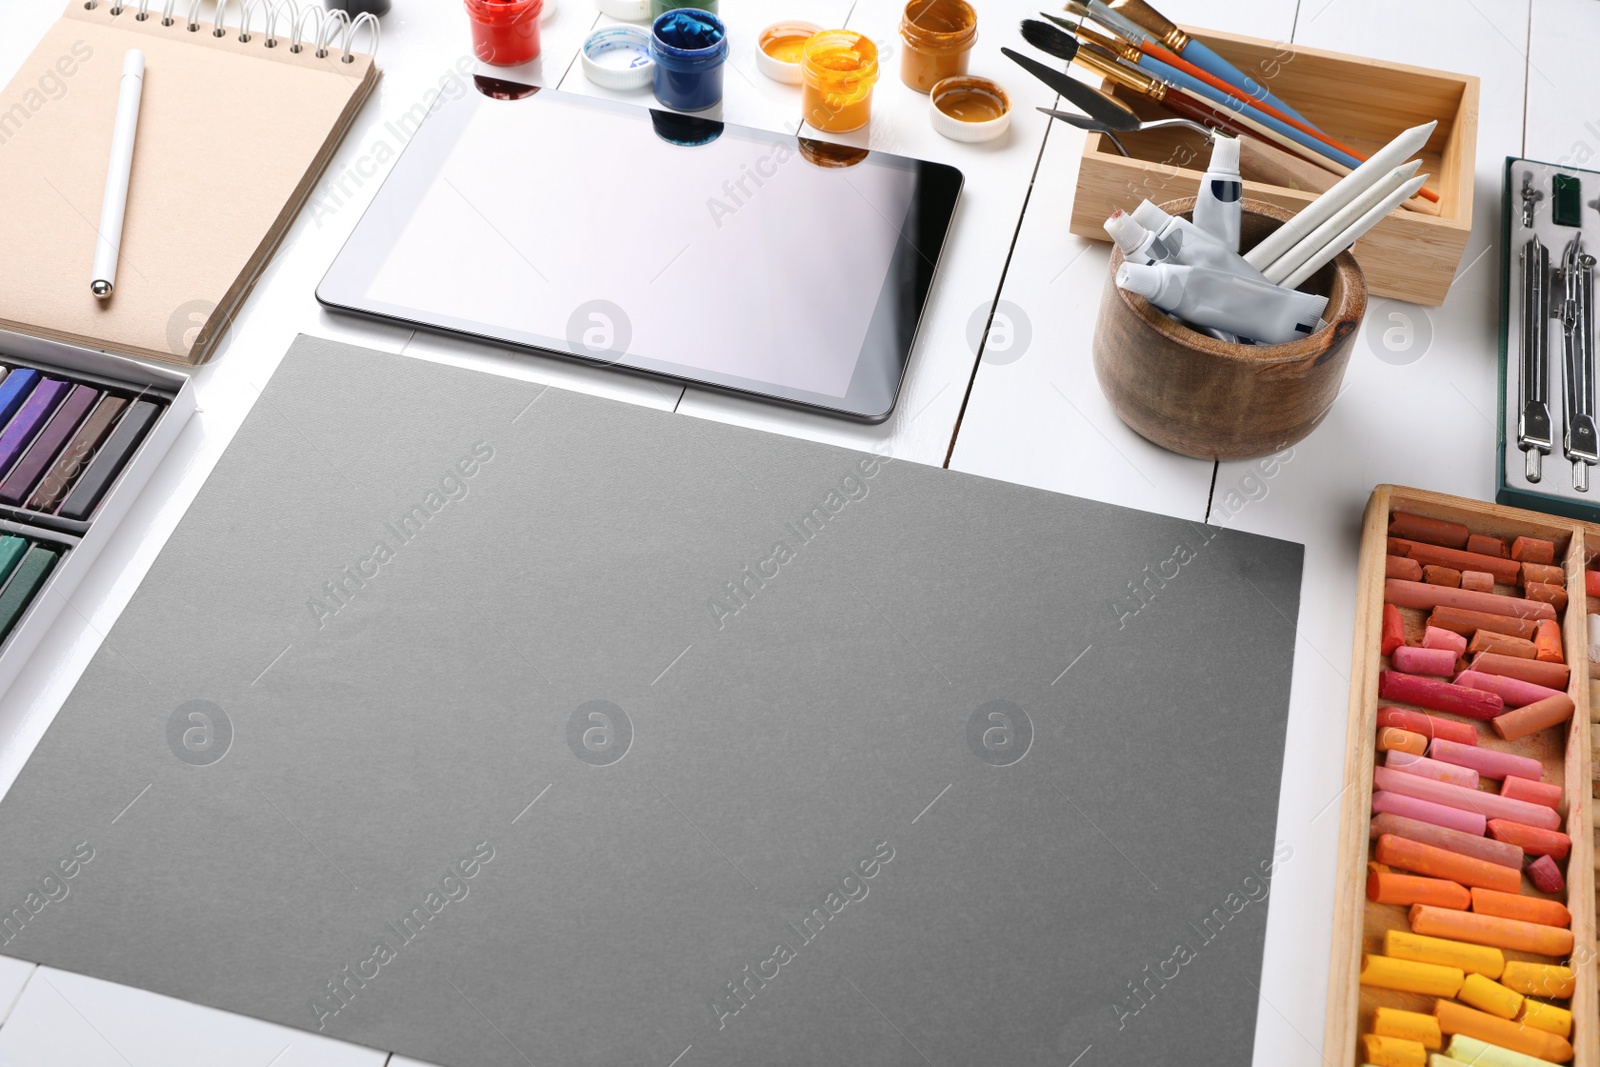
690,48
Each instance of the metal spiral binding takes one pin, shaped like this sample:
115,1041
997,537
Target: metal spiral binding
330,26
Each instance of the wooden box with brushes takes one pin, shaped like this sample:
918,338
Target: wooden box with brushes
1447,938
1548,448
1412,254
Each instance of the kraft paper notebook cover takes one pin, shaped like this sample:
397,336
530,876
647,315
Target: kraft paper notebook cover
232,135
498,725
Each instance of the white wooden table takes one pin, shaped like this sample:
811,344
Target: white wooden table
1029,413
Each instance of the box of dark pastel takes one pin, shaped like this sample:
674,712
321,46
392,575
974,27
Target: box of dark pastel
1464,923
80,433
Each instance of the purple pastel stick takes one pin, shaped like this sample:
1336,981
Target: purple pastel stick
22,428
20,482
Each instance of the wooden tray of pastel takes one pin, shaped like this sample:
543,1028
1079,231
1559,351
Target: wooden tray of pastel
1465,830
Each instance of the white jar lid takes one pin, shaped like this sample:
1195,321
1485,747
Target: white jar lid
957,128
772,66
618,57
626,10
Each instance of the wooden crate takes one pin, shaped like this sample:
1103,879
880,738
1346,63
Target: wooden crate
1358,925
1363,103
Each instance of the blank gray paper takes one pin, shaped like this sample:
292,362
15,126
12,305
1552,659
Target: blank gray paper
498,725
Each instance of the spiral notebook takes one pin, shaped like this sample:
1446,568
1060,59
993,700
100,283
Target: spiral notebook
235,126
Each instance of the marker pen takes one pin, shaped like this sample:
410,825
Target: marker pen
1216,204
1205,297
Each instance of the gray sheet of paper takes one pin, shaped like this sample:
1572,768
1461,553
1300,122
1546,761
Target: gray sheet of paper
493,724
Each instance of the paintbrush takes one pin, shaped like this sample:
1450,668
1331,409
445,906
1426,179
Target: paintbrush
1063,45
1086,98
1107,65
1167,32
1140,45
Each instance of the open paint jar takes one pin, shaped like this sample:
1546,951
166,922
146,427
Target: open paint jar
661,7
780,47
938,36
505,32
838,69
690,48
969,109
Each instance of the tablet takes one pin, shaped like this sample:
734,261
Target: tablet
741,259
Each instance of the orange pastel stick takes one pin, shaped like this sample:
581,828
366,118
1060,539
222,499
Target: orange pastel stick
1500,645
1534,840
1467,622
1392,634
1505,571
1547,642
1406,594
1484,545
1533,792
1492,930
1552,675
1547,573
1394,739
1391,887
1439,863
1520,906
1531,718
1434,531
1459,1019
1591,582
1533,550
1445,576
1400,567
1554,595
1477,581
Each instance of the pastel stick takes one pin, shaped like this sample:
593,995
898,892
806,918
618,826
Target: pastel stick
29,420
110,460
26,474
24,584
11,549
76,456
14,390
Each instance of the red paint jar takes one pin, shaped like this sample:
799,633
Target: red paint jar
505,32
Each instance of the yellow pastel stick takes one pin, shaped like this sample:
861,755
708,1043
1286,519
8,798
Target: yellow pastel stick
1547,1017
1476,959
1409,976
1486,994
1393,1051
1411,1025
1539,979
1464,1049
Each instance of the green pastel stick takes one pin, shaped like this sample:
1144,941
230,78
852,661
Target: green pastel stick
11,549
18,593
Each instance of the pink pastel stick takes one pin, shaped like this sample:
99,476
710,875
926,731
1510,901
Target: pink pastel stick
1488,762
1468,822
1521,789
1489,805
1423,767
1439,662
1513,691
1434,637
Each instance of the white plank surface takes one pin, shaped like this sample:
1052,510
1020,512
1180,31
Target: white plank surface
1420,416
14,975
67,1020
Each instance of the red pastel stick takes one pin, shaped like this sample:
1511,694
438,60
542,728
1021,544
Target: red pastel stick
1534,840
1533,792
1439,696
1434,531
1393,632
1421,595
1417,722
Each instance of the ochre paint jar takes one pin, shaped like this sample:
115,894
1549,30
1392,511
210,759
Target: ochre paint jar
938,36
505,32
838,69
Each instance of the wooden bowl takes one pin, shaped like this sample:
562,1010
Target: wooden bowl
1200,397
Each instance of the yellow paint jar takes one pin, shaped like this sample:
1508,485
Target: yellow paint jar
838,69
938,37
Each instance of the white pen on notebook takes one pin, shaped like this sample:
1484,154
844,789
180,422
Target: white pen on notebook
108,242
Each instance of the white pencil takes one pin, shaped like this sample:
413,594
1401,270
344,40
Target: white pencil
1354,232
1349,188
108,244
1313,242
